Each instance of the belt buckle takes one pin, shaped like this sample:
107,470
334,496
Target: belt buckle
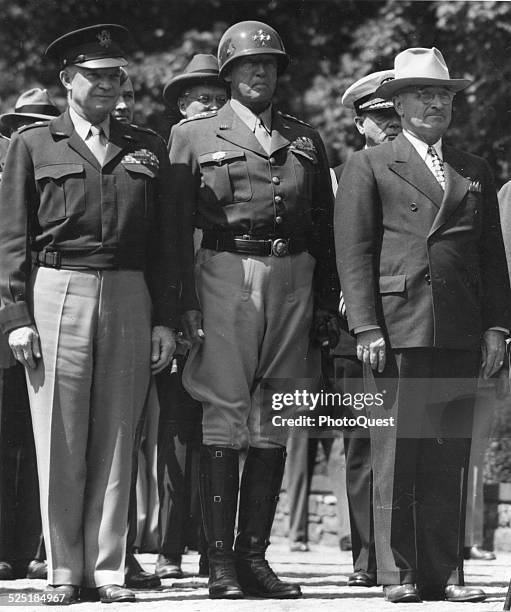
280,247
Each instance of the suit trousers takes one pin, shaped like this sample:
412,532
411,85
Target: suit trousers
86,396
420,465
257,315
359,471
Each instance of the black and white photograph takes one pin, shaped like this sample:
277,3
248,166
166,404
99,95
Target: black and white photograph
255,305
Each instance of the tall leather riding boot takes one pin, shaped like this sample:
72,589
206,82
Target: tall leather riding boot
259,494
218,486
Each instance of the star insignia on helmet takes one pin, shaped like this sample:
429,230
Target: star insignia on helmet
105,40
261,36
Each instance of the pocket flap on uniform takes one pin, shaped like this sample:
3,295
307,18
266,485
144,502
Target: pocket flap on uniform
218,157
393,284
139,168
57,171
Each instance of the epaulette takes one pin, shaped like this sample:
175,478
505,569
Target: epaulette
204,115
31,126
286,116
143,129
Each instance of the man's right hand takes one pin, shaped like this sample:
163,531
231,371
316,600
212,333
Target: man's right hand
371,349
24,343
192,326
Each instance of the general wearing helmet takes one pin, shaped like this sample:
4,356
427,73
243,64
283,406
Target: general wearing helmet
251,38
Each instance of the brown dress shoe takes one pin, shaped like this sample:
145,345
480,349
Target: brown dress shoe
37,570
136,577
60,594
478,553
168,568
6,571
401,593
113,593
362,579
454,592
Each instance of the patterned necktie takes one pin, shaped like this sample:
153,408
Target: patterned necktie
96,142
438,166
262,135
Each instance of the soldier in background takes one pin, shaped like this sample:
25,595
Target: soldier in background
22,552
377,121
197,89
257,183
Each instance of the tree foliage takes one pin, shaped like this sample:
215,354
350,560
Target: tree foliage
332,43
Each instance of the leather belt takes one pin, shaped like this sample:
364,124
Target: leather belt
278,247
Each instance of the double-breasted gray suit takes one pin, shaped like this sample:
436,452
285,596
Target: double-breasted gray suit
428,267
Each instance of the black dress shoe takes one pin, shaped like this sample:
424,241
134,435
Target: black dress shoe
113,593
167,567
362,579
454,592
37,570
136,577
401,593
6,571
60,594
478,553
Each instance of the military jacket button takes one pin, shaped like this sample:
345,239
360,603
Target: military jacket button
278,199
278,219
414,207
276,180
272,161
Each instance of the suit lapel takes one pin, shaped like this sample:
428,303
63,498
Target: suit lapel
278,134
456,187
411,168
234,130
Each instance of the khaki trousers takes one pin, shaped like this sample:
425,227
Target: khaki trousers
257,315
86,395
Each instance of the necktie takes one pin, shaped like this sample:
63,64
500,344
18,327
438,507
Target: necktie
96,142
438,166
262,135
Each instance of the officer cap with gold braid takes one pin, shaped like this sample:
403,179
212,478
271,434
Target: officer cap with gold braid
360,95
97,46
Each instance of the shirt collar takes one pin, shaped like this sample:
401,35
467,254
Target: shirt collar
422,147
82,126
249,118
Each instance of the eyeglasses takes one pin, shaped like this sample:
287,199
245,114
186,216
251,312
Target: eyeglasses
428,94
207,99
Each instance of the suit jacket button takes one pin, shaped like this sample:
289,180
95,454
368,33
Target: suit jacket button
427,278
414,207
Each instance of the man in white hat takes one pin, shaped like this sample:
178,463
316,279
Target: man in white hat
423,271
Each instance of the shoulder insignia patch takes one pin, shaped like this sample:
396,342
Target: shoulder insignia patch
286,116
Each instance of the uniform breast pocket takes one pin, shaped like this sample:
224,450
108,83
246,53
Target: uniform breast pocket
141,186
225,174
61,191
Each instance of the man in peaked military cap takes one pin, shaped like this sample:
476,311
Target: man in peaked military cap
88,224
377,121
257,183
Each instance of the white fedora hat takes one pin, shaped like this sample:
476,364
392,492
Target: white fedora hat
420,66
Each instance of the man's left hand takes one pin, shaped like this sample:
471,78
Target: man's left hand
493,350
163,345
